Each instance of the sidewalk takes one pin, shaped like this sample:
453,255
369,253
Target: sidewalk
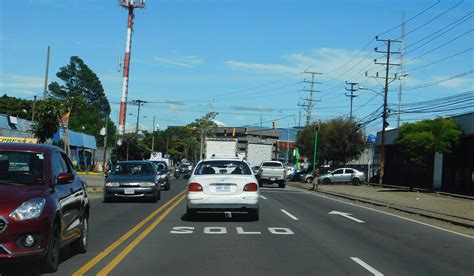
455,210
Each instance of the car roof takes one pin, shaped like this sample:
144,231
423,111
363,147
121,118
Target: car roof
27,147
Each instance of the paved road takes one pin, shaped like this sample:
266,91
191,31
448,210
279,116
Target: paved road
298,234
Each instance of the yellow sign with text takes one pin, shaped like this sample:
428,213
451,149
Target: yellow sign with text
5,139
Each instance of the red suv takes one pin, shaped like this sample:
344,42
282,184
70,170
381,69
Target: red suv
43,204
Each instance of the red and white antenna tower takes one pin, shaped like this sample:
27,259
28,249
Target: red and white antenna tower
130,5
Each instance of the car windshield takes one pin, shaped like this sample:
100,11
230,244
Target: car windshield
22,168
133,169
223,167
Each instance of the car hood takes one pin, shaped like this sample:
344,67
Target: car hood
12,196
131,178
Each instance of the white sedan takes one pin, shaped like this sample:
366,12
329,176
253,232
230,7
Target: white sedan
223,185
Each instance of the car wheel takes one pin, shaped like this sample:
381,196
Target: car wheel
80,245
190,213
309,180
282,184
326,181
254,214
51,260
356,181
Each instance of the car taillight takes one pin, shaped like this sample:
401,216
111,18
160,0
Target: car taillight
194,187
250,187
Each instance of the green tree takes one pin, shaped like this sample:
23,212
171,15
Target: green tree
421,140
47,119
131,149
339,141
82,90
16,107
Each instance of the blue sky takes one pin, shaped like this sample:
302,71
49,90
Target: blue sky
243,59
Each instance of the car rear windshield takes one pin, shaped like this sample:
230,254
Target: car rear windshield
272,164
223,167
133,169
22,167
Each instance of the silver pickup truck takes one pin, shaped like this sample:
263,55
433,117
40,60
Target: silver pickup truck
272,172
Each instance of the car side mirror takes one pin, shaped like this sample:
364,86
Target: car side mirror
187,176
64,178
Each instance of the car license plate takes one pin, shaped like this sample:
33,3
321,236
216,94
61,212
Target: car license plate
129,191
223,188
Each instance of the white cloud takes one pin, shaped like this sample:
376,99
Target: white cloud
262,67
323,60
20,82
180,61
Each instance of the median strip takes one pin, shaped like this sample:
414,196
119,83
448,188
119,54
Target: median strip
106,270
123,238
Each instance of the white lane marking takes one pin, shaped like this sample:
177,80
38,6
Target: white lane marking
228,214
393,215
263,197
182,230
280,231
241,231
346,215
290,215
366,266
215,230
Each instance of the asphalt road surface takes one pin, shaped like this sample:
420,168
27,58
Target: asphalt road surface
298,234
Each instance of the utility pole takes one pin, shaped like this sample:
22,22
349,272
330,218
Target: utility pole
138,103
352,96
153,136
33,110
130,5
45,91
387,65
308,106
105,141
402,69
288,144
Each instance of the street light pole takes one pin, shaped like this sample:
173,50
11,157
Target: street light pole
153,136
105,141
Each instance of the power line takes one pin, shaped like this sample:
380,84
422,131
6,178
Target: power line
439,81
440,46
441,60
411,18
462,19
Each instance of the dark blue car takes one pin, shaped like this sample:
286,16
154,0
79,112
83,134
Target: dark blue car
133,179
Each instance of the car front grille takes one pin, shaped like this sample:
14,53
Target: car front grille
3,224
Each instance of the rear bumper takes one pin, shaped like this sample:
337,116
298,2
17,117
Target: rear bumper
200,200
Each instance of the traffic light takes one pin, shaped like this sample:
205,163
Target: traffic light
233,132
246,131
225,131
274,124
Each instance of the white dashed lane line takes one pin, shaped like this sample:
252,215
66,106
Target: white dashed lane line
366,266
263,197
288,214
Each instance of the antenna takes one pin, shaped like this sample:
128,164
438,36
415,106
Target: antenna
130,5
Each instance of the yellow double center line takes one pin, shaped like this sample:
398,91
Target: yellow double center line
127,235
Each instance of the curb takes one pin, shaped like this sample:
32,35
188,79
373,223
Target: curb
89,173
387,205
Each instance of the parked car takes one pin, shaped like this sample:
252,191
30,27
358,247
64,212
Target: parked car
309,177
129,179
297,176
272,172
162,172
343,175
43,204
223,185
